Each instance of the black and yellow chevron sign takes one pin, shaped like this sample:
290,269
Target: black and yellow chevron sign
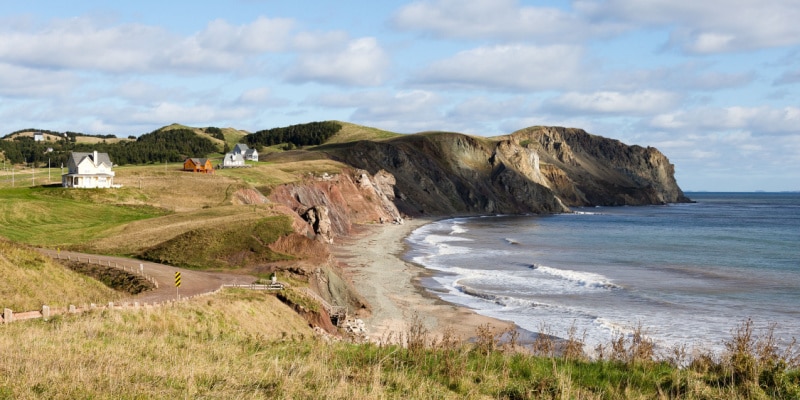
177,279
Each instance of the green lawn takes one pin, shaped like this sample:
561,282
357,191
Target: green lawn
53,216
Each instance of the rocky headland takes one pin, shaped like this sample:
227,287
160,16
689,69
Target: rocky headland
440,174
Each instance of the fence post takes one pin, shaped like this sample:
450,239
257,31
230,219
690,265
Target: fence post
45,312
72,309
8,315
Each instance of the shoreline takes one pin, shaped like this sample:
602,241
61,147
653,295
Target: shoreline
371,258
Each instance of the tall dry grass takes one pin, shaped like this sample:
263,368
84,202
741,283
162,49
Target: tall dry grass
29,280
240,344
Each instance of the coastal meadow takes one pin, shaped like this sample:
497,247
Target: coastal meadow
240,344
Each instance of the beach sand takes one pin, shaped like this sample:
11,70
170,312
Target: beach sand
372,259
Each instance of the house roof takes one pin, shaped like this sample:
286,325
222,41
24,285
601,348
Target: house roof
198,161
250,152
240,147
102,158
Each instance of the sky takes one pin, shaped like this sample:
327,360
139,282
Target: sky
713,84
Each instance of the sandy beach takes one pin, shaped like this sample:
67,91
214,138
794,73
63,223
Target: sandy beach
391,286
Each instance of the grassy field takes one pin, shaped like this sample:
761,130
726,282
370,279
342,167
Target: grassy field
42,217
240,344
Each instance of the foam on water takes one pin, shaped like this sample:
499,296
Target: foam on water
587,279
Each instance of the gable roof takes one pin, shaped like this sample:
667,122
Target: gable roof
199,161
250,152
240,147
102,158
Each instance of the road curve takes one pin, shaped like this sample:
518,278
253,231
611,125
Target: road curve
192,282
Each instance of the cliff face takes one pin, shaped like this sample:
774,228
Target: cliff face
602,171
540,169
333,203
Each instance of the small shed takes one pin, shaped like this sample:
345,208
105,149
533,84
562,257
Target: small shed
198,165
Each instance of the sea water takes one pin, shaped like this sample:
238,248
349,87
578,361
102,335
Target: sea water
687,274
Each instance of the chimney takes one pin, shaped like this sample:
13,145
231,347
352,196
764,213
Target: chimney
94,159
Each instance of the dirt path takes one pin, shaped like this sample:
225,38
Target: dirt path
192,282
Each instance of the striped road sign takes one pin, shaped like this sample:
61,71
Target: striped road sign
177,279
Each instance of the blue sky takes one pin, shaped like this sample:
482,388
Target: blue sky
713,84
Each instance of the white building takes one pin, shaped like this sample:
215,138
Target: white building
251,155
232,160
246,152
88,170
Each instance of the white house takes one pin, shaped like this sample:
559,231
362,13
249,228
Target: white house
246,152
232,160
251,155
240,148
38,137
88,170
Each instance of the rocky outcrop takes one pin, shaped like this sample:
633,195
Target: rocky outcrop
317,217
331,204
602,171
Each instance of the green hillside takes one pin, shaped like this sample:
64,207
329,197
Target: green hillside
30,280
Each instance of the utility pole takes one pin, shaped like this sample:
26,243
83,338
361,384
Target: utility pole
33,174
48,169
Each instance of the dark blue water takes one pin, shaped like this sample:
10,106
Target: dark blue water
687,273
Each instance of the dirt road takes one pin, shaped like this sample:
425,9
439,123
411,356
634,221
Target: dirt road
192,282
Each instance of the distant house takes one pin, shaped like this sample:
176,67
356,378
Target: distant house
251,155
88,170
240,148
198,165
38,137
233,160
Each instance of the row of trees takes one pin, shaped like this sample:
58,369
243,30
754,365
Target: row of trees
159,146
310,134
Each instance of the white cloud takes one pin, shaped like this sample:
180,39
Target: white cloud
761,120
362,62
167,113
515,68
16,81
500,19
262,35
688,76
78,44
404,111
261,97
709,26
482,109
607,102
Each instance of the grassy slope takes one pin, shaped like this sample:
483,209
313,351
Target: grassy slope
30,280
241,344
237,244
40,217
352,132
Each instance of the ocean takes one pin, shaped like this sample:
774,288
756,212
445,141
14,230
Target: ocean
687,274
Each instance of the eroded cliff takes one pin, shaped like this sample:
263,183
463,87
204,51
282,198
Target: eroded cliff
539,170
